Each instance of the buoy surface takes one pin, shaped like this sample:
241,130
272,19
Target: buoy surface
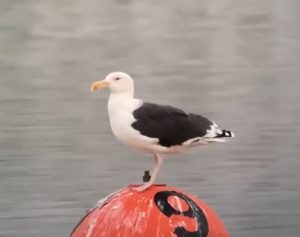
160,211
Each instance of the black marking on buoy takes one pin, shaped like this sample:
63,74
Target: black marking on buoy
194,211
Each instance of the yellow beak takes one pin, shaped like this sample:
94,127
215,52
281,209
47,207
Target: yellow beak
98,85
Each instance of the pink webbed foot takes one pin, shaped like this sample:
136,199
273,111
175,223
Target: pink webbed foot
142,187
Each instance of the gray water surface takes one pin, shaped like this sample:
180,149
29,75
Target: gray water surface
237,62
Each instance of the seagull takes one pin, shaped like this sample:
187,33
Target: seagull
152,128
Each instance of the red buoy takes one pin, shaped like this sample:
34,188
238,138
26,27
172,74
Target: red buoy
160,211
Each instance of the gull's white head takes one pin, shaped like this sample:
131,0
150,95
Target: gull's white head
117,82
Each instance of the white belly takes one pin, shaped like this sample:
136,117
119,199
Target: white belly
121,126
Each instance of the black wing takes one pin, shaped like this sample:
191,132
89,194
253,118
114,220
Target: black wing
170,125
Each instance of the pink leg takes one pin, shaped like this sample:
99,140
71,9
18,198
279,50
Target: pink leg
157,164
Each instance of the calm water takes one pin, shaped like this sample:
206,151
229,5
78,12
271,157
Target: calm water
237,62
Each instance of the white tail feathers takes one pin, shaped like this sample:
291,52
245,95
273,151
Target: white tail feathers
220,136
226,133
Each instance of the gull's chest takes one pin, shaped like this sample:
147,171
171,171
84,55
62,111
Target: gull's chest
120,122
121,118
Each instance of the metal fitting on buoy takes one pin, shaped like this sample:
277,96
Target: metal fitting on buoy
147,176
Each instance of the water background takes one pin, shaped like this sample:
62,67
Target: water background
237,62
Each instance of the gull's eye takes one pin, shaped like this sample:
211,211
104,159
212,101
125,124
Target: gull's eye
117,78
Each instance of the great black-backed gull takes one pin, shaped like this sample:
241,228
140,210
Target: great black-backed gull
152,128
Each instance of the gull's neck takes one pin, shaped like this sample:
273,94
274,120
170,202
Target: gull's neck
121,100
126,95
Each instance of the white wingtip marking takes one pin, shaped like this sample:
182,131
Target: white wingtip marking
215,139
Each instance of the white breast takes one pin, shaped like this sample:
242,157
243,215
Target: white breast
120,116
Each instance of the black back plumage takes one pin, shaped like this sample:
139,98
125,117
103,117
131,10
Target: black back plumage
170,125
